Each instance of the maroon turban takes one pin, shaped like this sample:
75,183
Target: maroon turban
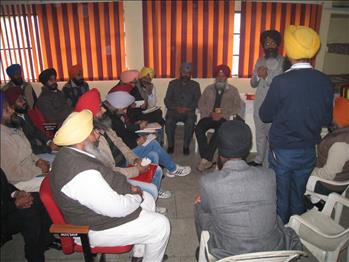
222,68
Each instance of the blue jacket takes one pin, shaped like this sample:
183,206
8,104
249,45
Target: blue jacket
298,104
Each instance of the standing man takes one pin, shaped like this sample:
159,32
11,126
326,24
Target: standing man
266,69
14,71
218,103
298,104
52,102
76,86
181,100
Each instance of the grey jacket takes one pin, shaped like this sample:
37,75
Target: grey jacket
275,67
241,203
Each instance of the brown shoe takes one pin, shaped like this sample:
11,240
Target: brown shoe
204,165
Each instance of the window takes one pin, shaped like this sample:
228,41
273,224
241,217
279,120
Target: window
236,45
19,35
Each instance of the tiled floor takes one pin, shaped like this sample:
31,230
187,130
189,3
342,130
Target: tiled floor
183,241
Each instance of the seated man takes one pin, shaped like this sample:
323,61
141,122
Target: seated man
23,212
333,151
112,150
237,203
15,73
41,146
52,102
23,169
181,100
89,193
218,103
117,104
76,86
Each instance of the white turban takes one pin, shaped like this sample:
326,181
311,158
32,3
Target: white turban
120,99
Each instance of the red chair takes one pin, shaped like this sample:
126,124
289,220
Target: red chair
67,232
40,123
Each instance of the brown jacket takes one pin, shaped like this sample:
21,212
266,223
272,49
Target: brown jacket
230,104
17,158
108,160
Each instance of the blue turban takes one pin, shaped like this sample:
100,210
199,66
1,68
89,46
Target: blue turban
2,102
13,69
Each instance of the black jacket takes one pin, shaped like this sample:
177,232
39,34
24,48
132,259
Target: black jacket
37,139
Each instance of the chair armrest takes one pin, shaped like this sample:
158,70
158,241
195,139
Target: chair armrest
297,221
333,199
270,254
68,229
314,179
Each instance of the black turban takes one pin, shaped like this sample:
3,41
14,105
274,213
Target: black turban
234,139
46,74
273,34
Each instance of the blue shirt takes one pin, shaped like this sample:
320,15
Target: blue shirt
298,104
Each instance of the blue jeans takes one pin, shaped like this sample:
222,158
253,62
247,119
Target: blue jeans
156,154
47,157
292,168
147,187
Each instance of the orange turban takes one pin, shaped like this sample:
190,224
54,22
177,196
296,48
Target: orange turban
341,112
90,100
74,70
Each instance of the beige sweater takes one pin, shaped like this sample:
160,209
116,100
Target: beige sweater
130,157
17,158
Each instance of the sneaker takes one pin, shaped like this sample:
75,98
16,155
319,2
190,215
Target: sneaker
161,210
180,171
204,165
164,194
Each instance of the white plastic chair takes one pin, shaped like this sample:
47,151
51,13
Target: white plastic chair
322,235
271,256
315,197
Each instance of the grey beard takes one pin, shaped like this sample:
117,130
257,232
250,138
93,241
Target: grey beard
94,150
103,122
220,85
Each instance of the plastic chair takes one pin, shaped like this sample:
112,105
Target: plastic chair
271,256
67,232
322,235
339,186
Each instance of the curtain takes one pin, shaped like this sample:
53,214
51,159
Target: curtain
200,32
90,34
257,17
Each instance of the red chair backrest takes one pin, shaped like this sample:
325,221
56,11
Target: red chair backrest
55,213
38,120
147,176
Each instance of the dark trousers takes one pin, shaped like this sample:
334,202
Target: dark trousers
207,148
292,168
33,223
172,118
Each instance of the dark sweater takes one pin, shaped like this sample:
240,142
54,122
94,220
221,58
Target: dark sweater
298,104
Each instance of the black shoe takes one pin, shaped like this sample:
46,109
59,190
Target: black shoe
136,259
164,258
252,163
55,244
170,150
186,151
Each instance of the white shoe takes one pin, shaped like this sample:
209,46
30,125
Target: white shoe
204,165
161,210
164,194
180,171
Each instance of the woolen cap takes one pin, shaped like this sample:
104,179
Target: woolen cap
75,129
234,139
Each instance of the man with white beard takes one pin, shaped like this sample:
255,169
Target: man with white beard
266,68
89,193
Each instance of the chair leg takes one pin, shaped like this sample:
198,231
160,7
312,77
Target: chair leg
86,247
102,258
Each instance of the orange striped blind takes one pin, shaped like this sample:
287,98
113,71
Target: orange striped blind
20,42
90,34
257,17
194,31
